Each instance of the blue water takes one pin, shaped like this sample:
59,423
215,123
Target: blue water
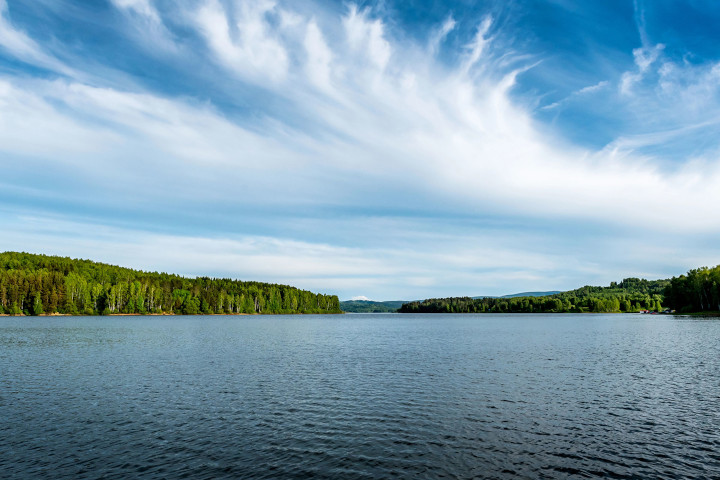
360,396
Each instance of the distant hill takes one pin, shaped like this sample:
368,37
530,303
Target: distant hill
368,306
532,294
523,294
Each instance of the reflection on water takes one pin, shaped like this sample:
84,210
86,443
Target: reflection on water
360,396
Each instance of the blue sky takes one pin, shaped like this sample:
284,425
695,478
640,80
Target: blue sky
391,150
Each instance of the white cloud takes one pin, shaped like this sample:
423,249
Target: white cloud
695,87
590,89
32,125
148,25
441,34
478,45
372,124
367,38
593,88
318,66
244,43
143,7
644,58
444,136
24,48
673,103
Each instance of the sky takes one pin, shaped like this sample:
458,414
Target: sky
380,149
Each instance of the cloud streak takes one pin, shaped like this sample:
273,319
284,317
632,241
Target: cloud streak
18,44
324,123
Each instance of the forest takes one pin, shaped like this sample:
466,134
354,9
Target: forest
630,295
696,292
38,284
368,306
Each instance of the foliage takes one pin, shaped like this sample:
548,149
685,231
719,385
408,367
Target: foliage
368,306
630,295
34,284
698,291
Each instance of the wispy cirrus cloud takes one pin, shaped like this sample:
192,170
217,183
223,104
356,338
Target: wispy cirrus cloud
141,7
590,89
315,128
244,41
440,34
673,101
18,44
147,24
645,57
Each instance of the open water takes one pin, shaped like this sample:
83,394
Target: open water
360,396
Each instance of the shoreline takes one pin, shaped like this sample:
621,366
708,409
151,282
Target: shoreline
163,314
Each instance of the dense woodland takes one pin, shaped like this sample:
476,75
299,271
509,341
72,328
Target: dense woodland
368,306
630,295
39,284
698,291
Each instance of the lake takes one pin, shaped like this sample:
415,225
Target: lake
360,396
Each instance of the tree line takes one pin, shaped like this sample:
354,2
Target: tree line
698,291
39,284
368,306
630,295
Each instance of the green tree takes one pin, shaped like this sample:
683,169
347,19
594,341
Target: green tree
37,307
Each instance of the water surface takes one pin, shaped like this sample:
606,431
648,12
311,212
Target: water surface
360,396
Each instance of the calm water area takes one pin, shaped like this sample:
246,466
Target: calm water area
360,396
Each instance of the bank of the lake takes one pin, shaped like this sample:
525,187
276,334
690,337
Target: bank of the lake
32,284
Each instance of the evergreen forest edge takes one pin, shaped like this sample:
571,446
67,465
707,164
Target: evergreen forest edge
32,284
696,292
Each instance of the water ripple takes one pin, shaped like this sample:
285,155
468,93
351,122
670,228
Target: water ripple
587,396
